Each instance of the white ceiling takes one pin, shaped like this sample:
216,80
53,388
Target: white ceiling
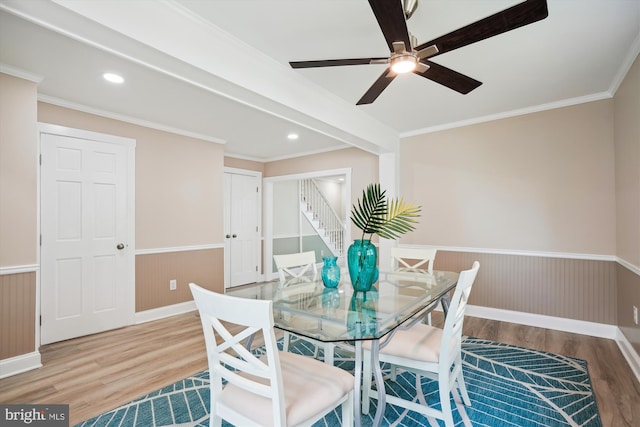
219,69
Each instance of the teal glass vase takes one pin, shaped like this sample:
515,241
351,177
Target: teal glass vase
330,272
362,259
362,315
330,298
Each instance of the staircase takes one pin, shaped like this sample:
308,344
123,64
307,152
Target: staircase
322,217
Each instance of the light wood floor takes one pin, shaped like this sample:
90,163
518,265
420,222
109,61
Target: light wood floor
97,373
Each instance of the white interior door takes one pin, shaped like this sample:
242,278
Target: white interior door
87,252
242,236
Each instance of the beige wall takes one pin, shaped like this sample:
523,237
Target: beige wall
232,162
539,182
364,169
179,180
17,314
627,149
18,215
540,285
153,272
543,183
18,172
628,292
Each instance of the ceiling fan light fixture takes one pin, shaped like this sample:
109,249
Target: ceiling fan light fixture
404,63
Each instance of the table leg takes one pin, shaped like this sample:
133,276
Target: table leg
250,341
357,411
377,370
445,301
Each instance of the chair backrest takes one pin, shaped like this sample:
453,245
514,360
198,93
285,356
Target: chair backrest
452,330
295,265
227,354
421,258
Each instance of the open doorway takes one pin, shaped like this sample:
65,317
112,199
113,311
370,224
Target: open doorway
293,207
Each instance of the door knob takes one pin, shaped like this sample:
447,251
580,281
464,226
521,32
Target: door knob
234,236
228,236
120,246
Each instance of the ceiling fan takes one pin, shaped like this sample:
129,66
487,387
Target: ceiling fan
407,56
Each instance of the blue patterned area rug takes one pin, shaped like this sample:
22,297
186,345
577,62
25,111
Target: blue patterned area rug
508,386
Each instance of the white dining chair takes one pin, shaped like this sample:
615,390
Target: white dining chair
292,269
428,351
295,265
412,258
272,388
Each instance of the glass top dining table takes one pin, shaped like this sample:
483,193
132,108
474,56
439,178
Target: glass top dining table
304,306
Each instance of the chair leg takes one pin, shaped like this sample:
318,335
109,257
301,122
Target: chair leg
460,380
445,402
366,382
394,373
463,389
347,411
215,421
328,354
286,341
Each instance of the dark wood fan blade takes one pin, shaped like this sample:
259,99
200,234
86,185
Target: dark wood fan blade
449,78
336,62
509,19
376,88
390,16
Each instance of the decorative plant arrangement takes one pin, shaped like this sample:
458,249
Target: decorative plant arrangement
376,214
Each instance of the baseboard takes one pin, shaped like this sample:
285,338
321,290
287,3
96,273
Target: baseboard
548,322
19,364
162,312
629,353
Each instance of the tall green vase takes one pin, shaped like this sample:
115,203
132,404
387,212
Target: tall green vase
362,259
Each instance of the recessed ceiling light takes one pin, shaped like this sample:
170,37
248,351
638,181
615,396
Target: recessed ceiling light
113,78
292,136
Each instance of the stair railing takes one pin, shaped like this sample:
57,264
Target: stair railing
322,211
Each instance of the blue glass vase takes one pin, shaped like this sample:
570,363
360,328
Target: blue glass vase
330,272
362,259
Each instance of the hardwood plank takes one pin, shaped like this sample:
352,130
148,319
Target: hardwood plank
97,373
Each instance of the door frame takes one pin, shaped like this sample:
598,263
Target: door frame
268,209
130,145
260,273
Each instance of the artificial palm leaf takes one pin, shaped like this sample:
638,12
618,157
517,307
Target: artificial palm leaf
374,214
400,219
368,215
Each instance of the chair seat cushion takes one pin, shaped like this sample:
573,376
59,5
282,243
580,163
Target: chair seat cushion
420,342
310,388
